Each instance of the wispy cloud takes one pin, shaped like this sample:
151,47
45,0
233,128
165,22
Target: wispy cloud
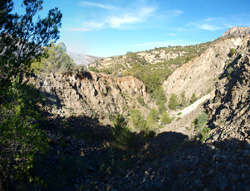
123,17
174,13
135,16
98,5
171,34
221,23
89,26
209,27
210,24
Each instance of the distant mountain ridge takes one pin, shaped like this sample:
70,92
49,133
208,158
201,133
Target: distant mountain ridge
82,59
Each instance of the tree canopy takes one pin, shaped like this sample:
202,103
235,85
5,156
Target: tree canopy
22,40
56,60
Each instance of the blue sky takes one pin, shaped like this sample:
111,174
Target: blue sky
114,27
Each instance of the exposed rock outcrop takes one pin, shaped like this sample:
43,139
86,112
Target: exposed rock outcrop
92,95
230,109
200,74
237,31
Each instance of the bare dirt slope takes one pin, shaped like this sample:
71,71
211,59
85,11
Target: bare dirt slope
200,74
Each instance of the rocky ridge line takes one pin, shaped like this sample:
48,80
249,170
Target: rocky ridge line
237,31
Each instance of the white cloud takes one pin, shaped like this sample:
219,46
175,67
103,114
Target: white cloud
171,34
115,22
98,5
90,26
135,16
124,17
209,27
211,24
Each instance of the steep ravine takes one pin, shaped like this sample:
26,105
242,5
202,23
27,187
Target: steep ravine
170,160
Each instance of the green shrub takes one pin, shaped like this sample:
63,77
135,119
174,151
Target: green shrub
124,139
183,99
231,52
153,116
193,98
229,71
152,120
141,100
200,126
165,118
160,98
201,120
173,102
138,120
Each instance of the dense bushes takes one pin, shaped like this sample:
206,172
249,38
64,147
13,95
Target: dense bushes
152,75
138,120
160,98
20,140
22,42
124,138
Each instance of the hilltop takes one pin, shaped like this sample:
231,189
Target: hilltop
236,31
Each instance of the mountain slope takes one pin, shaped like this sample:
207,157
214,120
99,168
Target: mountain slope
157,55
82,59
200,74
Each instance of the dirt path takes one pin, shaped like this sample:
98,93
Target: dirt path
182,122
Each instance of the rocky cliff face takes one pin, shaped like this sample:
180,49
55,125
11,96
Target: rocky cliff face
92,95
237,31
230,108
200,74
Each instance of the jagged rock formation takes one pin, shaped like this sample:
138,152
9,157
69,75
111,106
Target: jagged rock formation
82,59
92,95
230,109
200,74
237,31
